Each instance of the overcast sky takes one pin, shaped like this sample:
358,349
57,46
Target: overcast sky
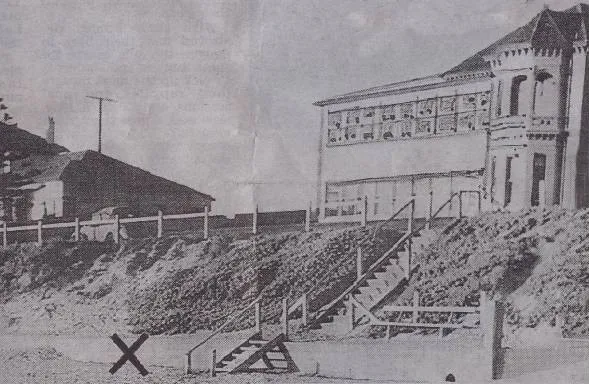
218,94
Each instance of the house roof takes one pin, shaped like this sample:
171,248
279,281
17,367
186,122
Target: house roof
14,139
45,168
547,30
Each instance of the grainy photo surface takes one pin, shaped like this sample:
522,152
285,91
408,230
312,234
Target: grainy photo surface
294,191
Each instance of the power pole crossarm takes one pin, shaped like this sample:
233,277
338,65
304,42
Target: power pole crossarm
100,100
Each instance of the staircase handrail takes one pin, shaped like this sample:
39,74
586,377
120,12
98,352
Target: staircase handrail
298,303
362,279
393,217
234,316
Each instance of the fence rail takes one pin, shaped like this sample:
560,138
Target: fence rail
76,225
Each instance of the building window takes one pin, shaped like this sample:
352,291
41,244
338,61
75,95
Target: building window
538,175
546,92
541,78
516,85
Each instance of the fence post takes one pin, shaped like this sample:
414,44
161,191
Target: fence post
305,310
365,211
214,364
40,232
460,205
206,223
351,313
308,218
188,363
285,317
480,201
358,263
431,210
4,234
410,240
415,304
255,221
77,229
117,229
160,223
257,316
492,313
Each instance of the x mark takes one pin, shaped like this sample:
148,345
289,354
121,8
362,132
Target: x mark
129,353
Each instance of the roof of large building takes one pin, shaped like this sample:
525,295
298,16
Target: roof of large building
547,30
41,168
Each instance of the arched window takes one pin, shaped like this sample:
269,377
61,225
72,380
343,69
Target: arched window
541,78
515,94
546,94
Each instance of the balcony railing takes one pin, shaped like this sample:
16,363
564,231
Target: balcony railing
441,125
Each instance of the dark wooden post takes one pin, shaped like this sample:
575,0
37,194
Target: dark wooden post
305,310
351,313
117,229
255,221
39,232
431,209
257,316
206,223
365,211
358,263
285,317
308,218
410,240
160,223
214,364
492,313
415,304
77,229
188,363
4,234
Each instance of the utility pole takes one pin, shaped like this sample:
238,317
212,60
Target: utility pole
100,100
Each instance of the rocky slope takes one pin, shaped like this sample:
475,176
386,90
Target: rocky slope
173,284
536,261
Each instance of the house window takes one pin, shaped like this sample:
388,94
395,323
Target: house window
516,85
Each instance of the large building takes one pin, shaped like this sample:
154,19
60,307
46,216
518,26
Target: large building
40,180
511,121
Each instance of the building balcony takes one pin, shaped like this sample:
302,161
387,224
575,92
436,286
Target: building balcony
411,128
507,122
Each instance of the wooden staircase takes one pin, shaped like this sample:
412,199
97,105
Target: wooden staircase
378,284
256,355
383,279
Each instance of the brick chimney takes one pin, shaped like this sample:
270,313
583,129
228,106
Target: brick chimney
51,131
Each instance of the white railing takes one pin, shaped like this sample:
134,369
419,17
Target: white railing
116,222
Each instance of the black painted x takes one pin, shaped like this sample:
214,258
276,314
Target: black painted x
129,353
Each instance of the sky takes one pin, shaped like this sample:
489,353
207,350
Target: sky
218,94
